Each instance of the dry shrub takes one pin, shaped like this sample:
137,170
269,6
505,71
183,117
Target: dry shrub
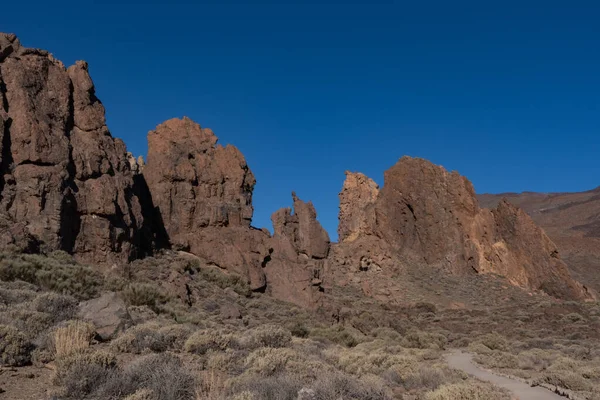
360,363
298,329
10,295
161,374
82,373
498,359
211,386
335,386
429,378
277,387
60,307
479,348
204,340
335,334
73,337
571,380
176,335
269,361
30,322
142,394
144,294
535,359
387,334
469,390
58,274
494,341
140,338
266,336
424,340
15,349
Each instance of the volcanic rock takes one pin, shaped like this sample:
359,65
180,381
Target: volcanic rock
64,180
426,214
357,198
571,220
296,266
203,194
302,229
108,313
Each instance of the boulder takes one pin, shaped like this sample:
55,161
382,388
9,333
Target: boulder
108,313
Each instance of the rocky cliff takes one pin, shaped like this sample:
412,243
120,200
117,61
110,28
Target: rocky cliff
571,220
67,184
426,214
202,194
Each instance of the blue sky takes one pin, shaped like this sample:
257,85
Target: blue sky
507,93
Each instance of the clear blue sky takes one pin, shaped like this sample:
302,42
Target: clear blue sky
507,93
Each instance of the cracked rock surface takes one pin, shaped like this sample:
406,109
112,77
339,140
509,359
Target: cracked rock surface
65,182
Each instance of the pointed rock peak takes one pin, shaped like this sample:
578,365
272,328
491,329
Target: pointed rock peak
302,228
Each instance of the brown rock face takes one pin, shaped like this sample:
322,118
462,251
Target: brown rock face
299,246
571,220
203,193
357,198
64,181
302,229
426,214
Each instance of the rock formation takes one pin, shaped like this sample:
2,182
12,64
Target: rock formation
65,182
299,247
426,214
203,194
356,212
570,220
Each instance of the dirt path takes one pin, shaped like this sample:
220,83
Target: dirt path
464,362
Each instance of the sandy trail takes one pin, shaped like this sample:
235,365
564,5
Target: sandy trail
522,391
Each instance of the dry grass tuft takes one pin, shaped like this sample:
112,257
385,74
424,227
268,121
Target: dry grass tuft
74,337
